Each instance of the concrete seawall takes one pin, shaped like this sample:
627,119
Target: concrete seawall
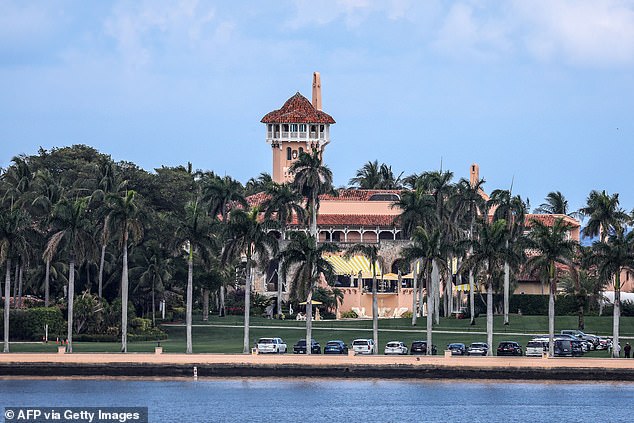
226,365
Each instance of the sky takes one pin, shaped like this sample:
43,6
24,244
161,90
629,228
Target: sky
539,93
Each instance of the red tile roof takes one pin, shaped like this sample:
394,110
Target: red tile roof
356,220
297,109
550,219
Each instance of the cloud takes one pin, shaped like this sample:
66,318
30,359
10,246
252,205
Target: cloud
586,32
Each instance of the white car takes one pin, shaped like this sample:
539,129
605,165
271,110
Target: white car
271,345
537,347
395,347
363,346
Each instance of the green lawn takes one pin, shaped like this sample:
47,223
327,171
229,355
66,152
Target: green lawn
211,337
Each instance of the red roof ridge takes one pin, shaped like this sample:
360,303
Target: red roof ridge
297,109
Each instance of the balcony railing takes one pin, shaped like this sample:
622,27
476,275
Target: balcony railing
295,135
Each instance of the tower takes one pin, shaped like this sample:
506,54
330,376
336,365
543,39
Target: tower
298,126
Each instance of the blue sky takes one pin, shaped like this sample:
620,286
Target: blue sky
536,91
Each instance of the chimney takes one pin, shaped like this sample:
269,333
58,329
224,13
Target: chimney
474,174
316,91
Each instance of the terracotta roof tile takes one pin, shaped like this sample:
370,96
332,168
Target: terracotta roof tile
297,109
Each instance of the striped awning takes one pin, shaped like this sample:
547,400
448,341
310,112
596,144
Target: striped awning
352,266
462,288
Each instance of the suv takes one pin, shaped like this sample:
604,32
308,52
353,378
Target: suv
271,345
536,347
395,347
509,348
363,346
300,347
420,347
591,340
336,347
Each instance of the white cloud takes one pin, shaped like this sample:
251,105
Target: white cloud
587,32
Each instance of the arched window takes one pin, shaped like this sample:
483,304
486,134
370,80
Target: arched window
301,150
288,153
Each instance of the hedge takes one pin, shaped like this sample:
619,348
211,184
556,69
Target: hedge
28,324
534,305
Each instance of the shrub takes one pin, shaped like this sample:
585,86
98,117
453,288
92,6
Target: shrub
28,324
407,315
349,315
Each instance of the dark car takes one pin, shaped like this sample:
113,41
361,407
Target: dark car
566,348
420,347
335,347
509,348
300,347
457,348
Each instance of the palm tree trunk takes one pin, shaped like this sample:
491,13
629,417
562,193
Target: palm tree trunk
101,264
153,305
616,349
124,295
313,218
47,283
375,312
280,282
7,296
190,289
309,320
71,299
507,288
414,292
21,273
205,305
551,318
471,298
88,284
428,319
15,283
435,276
247,305
490,315
221,308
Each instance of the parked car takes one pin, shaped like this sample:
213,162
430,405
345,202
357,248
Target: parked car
363,346
509,348
478,348
563,348
300,347
336,347
271,345
457,348
592,340
395,347
420,347
536,347
604,343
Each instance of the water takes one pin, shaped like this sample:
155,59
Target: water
325,400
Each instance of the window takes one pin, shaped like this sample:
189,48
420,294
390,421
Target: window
294,127
302,127
285,128
301,150
288,153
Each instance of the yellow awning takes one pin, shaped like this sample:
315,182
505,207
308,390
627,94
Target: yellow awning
463,288
390,277
352,266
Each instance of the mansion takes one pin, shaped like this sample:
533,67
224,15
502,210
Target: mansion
356,216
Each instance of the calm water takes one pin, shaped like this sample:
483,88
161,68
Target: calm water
269,400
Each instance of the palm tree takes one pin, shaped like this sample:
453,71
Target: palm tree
555,203
368,177
108,183
124,218
219,193
195,232
427,244
513,210
306,258
249,236
283,203
259,184
14,223
552,245
489,253
606,217
469,204
71,231
48,192
312,178
371,252
609,258
153,270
